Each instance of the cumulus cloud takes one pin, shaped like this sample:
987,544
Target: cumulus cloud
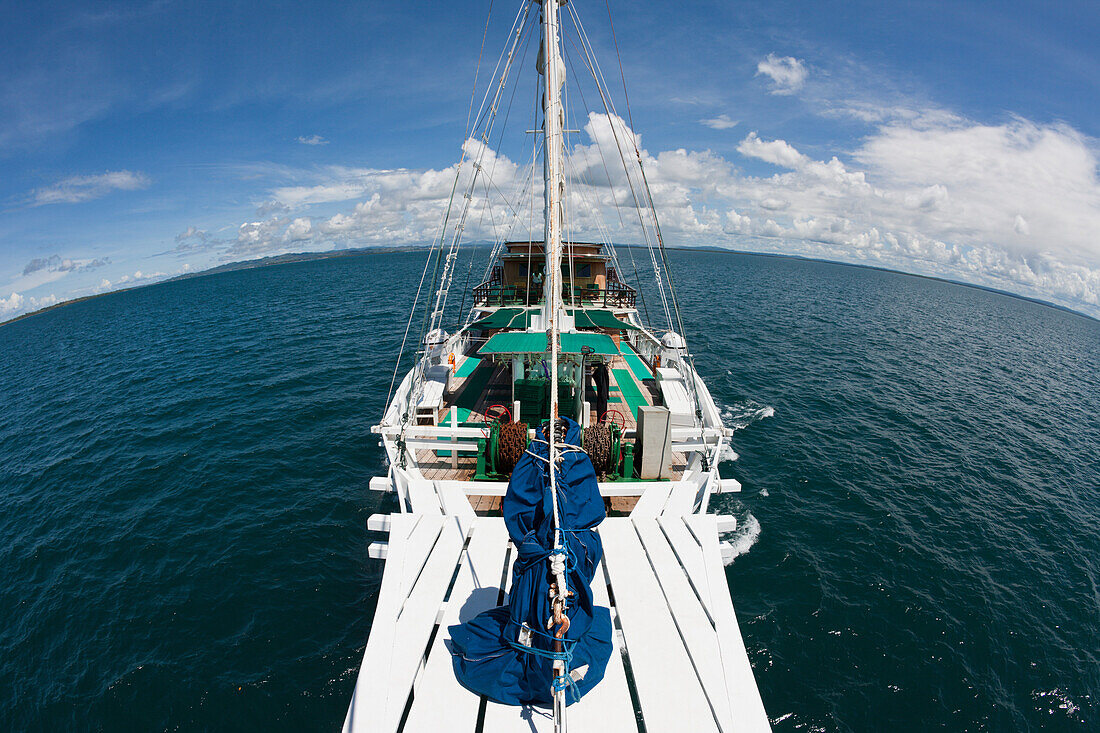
787,73
137,277
56,263
193,239
85,188
1012,206
312,140
721,122
299,230
1026,187
17,304
776,152
42,270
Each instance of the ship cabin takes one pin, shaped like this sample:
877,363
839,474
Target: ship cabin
586,276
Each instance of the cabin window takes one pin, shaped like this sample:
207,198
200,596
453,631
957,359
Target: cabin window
584,270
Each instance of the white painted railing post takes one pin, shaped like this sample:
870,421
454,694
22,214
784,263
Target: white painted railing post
515,411
454,436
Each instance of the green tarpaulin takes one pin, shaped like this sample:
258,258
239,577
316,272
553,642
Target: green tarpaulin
521,318
593,318
639,367
505,318
629,390
521,342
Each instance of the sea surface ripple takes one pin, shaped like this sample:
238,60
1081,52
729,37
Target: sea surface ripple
184,478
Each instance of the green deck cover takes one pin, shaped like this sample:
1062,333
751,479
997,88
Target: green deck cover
522,342
505,318
631,393
473,388
639,367
521,318
469,397
463,418
595,318
469,364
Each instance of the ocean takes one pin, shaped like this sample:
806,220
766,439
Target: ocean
184,478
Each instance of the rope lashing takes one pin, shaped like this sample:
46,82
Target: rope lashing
562,447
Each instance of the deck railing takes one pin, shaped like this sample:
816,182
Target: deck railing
615,295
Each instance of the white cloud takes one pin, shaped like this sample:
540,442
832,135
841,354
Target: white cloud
137,277
721,122
293,197
85,188
312,140
1012,206
776,152
192,239
11,304
299,230
17,304
787,73
1025,187
42,270
56,263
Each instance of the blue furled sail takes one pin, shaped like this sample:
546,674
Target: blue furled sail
507,653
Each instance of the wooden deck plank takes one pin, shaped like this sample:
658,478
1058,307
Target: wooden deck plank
653,499
518,718
681,500
506,718
413,628
381,641
622,504
692,620
440,702
606,707
422,497
453,500
690,556
419,545
744,695
667,686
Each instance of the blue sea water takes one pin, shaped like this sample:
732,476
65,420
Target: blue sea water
184,471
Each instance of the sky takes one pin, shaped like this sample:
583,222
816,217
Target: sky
143,140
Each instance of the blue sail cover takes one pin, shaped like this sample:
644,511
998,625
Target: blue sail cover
497,654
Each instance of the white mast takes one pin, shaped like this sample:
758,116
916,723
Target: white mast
552,69
553,73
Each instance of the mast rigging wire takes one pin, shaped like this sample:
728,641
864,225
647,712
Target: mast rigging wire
507,56
593,67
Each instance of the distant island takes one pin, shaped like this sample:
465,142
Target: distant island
293,257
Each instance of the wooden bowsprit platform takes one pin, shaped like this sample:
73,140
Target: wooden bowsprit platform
679,652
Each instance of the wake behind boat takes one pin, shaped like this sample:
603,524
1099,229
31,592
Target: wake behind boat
554,337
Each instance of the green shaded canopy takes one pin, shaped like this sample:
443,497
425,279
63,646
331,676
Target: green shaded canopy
595,318
521,318
505,318
522,342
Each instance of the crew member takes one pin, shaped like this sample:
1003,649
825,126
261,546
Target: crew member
602,382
